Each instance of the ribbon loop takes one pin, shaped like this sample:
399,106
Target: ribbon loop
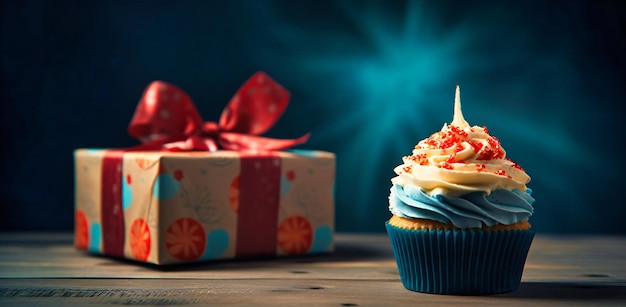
166,118
164,112
256,106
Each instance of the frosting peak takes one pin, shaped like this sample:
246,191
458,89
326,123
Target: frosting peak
458,119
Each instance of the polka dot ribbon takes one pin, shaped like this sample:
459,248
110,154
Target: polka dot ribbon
166,118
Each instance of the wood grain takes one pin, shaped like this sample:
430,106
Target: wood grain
44,270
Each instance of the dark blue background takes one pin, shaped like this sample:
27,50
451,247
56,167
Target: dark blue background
368,79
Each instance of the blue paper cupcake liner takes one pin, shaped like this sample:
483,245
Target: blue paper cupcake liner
460,262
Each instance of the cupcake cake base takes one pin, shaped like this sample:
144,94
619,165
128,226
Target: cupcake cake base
460,261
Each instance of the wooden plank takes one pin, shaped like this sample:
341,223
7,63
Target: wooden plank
44,270
272,292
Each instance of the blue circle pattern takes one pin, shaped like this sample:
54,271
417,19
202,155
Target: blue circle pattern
285,185
127,195
95,237
165,187
92,151
322,239
217,243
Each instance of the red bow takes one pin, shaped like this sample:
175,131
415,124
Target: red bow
167,118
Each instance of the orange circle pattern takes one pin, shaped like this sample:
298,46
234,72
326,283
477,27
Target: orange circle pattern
140,239
295,235
185,239
81,230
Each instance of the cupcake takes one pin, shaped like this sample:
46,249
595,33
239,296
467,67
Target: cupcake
460,212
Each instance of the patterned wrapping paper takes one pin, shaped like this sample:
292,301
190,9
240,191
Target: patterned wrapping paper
177,207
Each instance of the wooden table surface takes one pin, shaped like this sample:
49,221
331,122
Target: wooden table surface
44,269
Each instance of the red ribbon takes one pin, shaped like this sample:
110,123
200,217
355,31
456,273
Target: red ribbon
259,200
111,210
166,118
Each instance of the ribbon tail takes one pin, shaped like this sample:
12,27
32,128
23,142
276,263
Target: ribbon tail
238,141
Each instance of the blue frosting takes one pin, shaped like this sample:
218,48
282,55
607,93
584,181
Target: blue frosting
467,211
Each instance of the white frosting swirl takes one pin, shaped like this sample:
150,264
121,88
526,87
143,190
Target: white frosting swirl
458,160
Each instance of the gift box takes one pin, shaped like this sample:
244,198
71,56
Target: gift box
196,191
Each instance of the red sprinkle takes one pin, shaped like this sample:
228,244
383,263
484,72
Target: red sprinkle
486,154
458,131
500,172
451,159
476,145
459,148
480,168
445,165
407,169
492,154
449,142
421,159
495,143
515,165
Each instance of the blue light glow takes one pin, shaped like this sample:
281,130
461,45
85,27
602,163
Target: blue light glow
383,77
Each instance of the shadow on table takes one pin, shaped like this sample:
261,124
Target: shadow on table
344,252
349,251
574,291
